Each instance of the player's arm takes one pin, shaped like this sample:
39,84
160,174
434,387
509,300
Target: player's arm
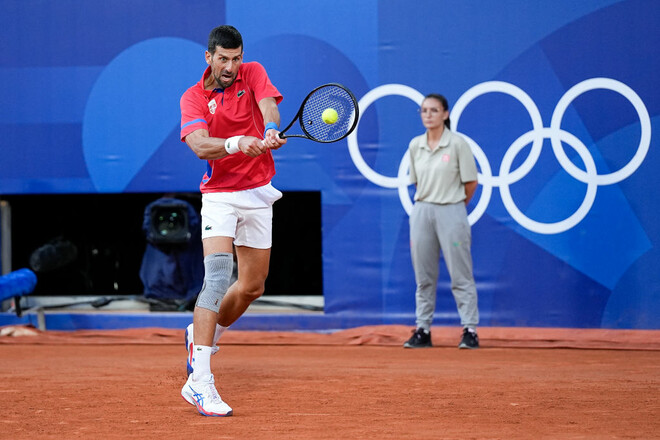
271,114
210,148
470,188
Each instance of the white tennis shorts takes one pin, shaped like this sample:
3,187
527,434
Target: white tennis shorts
246,216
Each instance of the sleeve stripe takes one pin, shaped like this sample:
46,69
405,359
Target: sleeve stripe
192,122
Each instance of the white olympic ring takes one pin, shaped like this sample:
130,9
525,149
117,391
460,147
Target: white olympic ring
644,119
354,149
536,136
582,211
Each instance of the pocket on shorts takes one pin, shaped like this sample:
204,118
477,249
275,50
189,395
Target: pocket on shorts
270,194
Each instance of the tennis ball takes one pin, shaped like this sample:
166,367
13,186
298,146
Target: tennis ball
329,116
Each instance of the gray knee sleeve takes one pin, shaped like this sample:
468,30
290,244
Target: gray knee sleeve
217,272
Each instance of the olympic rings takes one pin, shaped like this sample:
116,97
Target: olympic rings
536,136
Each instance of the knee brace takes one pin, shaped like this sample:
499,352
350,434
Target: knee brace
217,273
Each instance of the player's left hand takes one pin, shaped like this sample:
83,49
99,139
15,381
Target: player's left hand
272,139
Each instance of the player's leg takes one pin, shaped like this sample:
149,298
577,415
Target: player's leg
218,265
218,271
218,229
219,223
199,389
456,241
425,253
254,208
253,267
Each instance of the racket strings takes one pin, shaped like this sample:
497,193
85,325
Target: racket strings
328,97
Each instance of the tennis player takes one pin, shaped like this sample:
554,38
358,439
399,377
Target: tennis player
230,119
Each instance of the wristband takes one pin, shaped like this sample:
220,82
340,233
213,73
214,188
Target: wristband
269,126
231,144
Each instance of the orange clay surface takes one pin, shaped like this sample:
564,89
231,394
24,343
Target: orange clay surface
356,384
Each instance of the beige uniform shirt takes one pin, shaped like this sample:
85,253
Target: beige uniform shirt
441,174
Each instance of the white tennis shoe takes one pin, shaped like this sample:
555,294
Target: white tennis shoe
205,397
189,347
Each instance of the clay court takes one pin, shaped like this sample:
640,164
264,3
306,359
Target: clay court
351,384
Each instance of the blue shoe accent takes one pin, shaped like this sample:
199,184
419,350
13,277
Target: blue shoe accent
206,399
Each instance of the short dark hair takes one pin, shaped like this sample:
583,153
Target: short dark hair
444,103
226,37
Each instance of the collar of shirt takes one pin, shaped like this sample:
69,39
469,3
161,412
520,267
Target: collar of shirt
444,141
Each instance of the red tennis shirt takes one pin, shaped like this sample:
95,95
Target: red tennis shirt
231,112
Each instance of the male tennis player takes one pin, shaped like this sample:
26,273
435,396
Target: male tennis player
224,118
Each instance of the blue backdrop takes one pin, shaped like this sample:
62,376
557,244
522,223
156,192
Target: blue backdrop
558,99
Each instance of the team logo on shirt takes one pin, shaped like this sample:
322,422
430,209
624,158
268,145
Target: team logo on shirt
212,106
240,93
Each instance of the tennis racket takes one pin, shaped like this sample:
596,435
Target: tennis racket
328,96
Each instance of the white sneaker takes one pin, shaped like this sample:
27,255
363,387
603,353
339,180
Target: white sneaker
189,345
205,397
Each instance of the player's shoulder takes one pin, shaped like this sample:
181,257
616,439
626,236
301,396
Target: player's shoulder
191,94
194,90
252,67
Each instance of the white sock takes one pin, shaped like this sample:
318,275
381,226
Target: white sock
201,362
219,330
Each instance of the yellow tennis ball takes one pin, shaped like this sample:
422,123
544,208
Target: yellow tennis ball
329,116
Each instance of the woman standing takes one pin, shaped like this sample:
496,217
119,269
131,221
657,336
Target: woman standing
445,174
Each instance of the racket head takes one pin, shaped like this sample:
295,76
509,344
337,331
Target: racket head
334,96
